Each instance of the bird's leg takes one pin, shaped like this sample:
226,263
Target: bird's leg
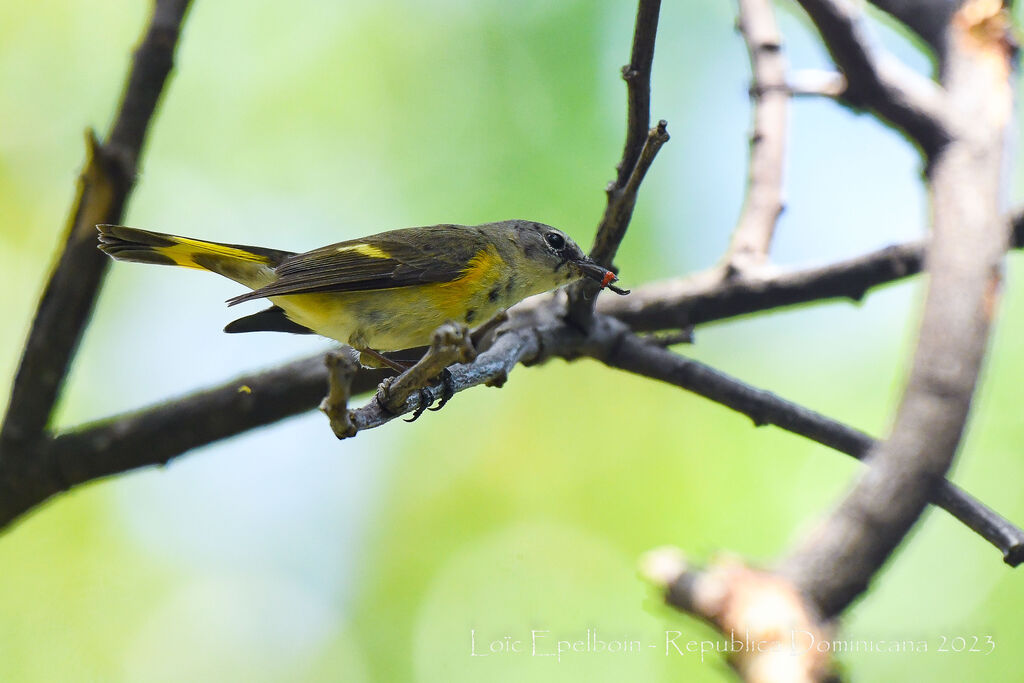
372,358
382,361
341,370
450,344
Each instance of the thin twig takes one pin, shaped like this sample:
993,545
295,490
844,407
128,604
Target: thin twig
622,198
618,213
638,152
816,83
751,239
104,187
637,75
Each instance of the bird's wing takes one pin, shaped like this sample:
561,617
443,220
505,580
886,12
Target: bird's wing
399,258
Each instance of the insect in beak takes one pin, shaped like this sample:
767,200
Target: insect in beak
599,274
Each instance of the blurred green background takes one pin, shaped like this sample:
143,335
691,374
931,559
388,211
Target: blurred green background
285,555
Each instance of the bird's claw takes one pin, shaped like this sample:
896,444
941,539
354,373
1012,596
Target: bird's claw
426,398
447,389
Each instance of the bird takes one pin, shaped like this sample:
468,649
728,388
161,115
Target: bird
384,292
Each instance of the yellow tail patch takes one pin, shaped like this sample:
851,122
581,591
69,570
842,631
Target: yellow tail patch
184,252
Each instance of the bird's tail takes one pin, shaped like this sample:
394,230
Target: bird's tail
251,266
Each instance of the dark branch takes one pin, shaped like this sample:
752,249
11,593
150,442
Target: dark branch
704,297
636,355
637,154
927,18
104,186
637,75
622,199
157,434
876,81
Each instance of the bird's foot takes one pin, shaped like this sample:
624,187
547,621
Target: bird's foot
447,389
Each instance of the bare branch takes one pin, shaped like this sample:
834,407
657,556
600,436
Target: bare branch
641,147
875,80
104,186
927,18
816,83
522,341
752,236
157,434
704,297
835,563
636,355
637,75
622,199
670,337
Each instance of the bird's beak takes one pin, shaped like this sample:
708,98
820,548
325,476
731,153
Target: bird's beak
590,269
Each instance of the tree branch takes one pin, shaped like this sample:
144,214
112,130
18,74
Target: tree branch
816,83
155,434
835,563
642,145
748,605
927,18
637,75
751,239
704,297
104,187
912,103
534,334
622,199
641,357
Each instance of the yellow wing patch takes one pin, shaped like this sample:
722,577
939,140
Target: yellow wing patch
366,250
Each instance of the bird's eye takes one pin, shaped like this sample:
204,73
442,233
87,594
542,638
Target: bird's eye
555,241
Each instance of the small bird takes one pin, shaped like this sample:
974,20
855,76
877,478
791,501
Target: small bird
385,292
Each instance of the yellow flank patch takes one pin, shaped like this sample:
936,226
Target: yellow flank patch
182,252
483,270
366,250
